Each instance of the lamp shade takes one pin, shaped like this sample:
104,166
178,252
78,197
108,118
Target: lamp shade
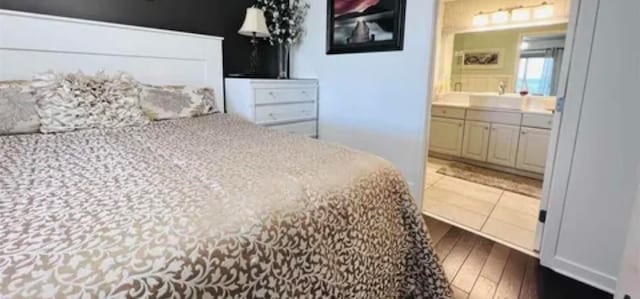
254,23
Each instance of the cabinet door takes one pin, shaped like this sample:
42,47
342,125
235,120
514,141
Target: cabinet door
476,140
532,151
503,145
446,136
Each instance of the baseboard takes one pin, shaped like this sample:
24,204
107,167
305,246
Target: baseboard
583,274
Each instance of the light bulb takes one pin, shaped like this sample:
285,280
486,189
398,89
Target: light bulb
544,11
500,17
521,14
480,20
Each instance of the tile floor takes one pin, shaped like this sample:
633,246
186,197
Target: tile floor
502,215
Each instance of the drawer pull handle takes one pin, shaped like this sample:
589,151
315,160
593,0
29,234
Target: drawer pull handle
444,111
273,116
524,133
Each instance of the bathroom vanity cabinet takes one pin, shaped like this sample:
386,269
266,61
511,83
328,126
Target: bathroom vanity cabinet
517,140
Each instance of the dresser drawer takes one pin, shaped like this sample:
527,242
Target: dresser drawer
510,118
449,112
272,114
537,121
282,95
307,128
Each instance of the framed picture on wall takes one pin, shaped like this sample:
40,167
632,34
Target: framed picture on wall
357,26
483,59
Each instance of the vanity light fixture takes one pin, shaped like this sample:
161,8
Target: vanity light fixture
514,14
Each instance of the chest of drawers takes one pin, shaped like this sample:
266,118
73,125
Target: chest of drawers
288,105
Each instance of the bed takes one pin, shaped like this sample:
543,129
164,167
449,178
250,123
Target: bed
205,207
210,205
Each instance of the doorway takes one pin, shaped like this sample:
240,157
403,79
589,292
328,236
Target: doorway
497,74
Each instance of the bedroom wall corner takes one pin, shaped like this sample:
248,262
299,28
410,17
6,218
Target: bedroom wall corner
376,102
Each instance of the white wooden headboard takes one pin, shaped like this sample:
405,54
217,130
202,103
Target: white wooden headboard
33,43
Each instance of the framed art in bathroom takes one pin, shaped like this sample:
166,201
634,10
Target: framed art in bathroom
483,59
358,26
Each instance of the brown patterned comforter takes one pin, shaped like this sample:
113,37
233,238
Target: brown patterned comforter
206,207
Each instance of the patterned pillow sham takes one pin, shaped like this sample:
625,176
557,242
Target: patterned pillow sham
172,102
77,101
18,114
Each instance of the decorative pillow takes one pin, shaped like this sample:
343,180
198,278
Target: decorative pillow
18,113
77,101
171,102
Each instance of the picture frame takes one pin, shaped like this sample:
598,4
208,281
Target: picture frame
483,59
361,26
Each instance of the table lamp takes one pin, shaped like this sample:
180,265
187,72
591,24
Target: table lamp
255,26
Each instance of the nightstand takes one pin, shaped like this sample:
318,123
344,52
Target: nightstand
288,105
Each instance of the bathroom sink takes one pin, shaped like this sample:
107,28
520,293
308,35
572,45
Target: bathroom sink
494,100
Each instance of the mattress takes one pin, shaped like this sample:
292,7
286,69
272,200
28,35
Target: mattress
209,207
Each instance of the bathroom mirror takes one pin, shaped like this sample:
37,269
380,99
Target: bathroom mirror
508,61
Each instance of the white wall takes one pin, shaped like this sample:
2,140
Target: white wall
376,102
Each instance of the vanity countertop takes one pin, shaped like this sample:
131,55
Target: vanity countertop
467,106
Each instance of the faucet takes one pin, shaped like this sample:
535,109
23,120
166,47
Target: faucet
502,88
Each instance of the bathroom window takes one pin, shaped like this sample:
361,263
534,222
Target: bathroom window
540,63
537,72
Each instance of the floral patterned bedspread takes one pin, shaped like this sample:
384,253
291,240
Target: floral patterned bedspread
209,207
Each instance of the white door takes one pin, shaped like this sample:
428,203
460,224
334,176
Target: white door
628,286
503,145
594,177
446,136
476,140
533,148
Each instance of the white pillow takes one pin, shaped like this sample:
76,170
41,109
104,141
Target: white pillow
18,113
77,101
171,102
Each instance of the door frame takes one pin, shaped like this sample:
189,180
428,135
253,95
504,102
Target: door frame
570,123
573,78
